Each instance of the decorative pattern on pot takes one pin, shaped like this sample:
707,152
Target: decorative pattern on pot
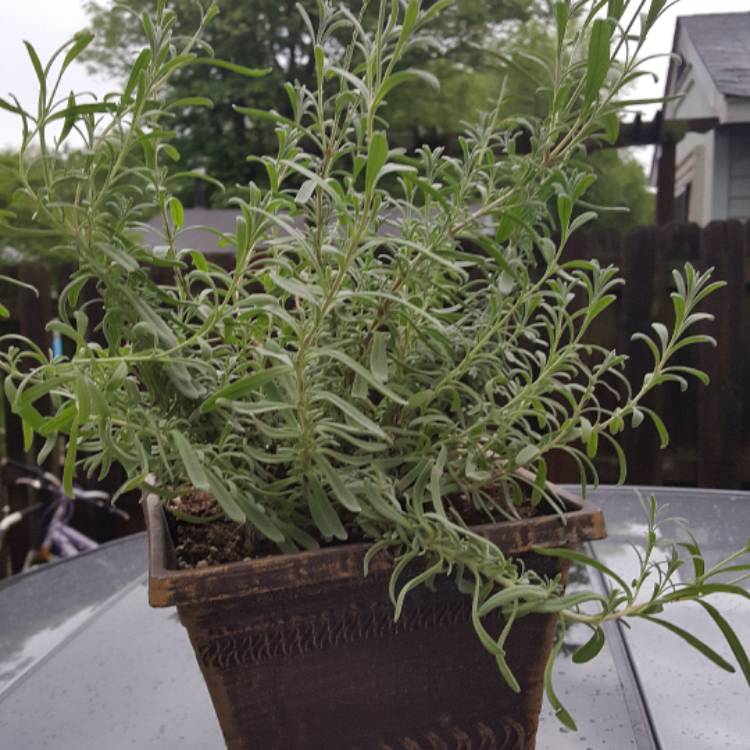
297,636
505,734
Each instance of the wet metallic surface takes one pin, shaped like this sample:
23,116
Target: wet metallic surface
85,663
41,609
694,705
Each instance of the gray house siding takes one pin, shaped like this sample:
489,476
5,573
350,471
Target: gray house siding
720,202
739,171
710,77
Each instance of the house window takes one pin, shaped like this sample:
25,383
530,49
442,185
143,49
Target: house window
682,206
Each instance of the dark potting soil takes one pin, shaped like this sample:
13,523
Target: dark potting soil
204,537
210,541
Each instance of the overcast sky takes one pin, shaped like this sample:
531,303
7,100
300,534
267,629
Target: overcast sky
49,23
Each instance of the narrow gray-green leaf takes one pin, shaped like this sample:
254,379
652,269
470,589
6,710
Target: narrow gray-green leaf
579,557
323,513
731,638
81,41
222,496
696,643
177,212
37,65
376,157
244,385
233,67
309,292
353,413
256,516
191,461
364,373
340,490
147,313
597,59
540,480
379,356
305,192
561,712
79,110
591,648
529,453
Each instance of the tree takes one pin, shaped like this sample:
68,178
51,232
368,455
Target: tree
621,182
479,49
272,34
19,230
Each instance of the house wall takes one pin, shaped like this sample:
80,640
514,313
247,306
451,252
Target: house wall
726,178
692,83
738,198
695,169
720,175
716,165
695,152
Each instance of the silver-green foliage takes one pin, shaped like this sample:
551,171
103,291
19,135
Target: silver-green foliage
401,333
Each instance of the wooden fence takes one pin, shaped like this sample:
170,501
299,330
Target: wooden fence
709,426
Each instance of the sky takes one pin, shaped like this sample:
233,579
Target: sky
46,24
49,23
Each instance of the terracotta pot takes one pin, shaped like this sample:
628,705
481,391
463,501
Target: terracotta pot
301,652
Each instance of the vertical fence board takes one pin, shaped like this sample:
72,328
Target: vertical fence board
643,267
682,244
744,361
721,405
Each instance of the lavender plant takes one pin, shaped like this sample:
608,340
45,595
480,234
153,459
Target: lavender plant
402,336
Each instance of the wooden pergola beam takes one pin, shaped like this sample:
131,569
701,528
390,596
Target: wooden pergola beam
665,180
659,131
635,133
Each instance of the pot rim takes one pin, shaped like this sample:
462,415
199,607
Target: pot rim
343,563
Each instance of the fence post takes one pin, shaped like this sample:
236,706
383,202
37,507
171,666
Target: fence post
32,314
643,268
681,409
720,406
666,182
560,466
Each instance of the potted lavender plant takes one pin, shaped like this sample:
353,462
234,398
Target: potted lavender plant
343,442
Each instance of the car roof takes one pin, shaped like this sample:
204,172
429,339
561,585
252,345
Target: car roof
84,659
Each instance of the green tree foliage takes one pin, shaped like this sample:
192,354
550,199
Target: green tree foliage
620,181
272,34
519,67
464,92
20,230
265,33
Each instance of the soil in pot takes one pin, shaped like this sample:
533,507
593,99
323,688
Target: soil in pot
203,536
210,539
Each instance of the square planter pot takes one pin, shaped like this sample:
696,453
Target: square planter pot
301,652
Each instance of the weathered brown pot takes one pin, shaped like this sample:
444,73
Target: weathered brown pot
300,652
